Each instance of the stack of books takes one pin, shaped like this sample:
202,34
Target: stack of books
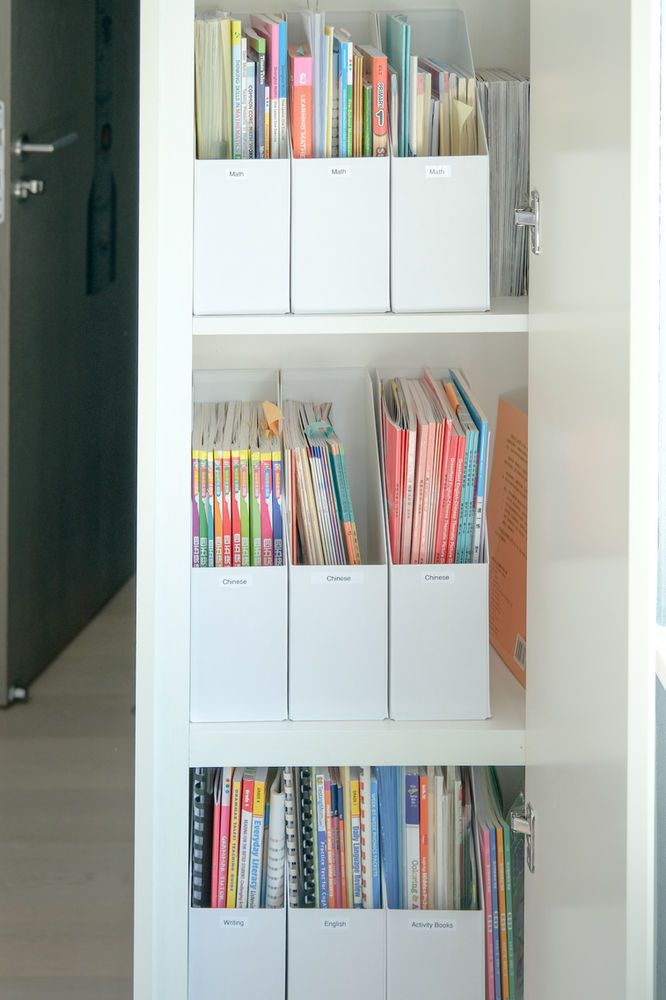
241,87
320,515
236,485
337,90
432,105
237,838
504,102
435,454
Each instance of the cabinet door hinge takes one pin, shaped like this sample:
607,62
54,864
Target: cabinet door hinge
523,823
530,216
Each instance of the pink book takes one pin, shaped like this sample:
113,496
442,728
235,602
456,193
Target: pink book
393,463
270,30
217,808
266,506
447,474
235,508
408,509
300,94
484,844
223,853
455,501
419,492
429,431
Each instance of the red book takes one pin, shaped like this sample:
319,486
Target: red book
225,822
423,840
217,811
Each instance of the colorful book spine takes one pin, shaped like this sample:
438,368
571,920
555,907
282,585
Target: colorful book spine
234,830
330,853
260,124
236,92
270,30
501,896
342,829
300,77
219,508
377,69
215,860
497,976
367,118
267,121
257,841
226,509
412,870
278,540
244,840
203,516
322,858
195,509
210,505
266,507
225,827
423,841
250,108
335,824
236,508
283,84
245,506
374,843
349,96
355,797
255,508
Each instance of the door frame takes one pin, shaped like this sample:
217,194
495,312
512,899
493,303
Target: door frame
5,291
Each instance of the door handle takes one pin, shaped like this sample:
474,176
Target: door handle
21,147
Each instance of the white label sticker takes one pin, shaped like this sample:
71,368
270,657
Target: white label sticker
441,171
442,924
235,923
438,576
236,173
340,171
328,924
337,578
242,580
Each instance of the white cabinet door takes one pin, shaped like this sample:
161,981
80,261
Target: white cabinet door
589,724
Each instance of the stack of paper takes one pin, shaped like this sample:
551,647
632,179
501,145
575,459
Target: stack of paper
241,833
241,87
322,528
337,94
504,104
435,454
433,107
236,485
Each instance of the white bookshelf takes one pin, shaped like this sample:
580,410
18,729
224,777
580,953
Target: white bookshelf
499,740
587,351
506,315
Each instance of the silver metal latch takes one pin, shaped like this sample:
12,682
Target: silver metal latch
23,189
530,216
523,824
22,147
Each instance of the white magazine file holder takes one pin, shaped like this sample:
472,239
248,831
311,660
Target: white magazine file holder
237,953
238,664
440,215
431,953
338,615
439,654
336,954
241,234
340,213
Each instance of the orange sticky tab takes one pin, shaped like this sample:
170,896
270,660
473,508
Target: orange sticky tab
451,394
273,416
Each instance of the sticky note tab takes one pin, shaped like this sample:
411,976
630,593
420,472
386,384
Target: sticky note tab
273,416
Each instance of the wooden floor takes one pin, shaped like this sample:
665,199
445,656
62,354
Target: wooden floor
66,790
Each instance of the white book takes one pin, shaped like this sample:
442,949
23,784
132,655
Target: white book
244,129
276,848
291,837
439,883
458,834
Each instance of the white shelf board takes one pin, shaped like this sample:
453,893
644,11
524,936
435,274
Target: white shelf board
498,740
506,315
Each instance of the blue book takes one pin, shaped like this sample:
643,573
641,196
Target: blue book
481,421
322,855
374,847
389,831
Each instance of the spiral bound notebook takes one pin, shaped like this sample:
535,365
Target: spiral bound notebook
290,814
307,839
201,844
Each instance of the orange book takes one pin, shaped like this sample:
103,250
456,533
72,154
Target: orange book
501,892
507,536
300,96
376,67
423,841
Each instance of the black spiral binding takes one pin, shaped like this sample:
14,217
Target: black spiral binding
307,839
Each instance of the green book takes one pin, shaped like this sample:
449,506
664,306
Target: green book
367,118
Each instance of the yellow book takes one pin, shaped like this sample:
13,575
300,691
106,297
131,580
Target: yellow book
329,91
234,830
347,810
355,797
257,838
225,33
